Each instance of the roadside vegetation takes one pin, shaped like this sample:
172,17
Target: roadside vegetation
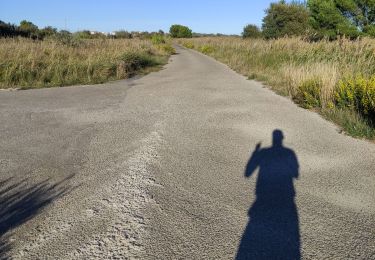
320,53
25,63
33,58
335,78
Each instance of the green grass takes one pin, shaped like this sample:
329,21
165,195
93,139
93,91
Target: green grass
351,122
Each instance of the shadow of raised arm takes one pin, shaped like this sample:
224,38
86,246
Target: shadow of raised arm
254,161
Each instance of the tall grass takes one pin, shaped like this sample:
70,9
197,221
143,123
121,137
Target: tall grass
336,76
29,64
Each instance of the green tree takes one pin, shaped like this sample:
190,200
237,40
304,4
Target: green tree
7,29
285,19
29,29
328,20
180,31
251,31
360,12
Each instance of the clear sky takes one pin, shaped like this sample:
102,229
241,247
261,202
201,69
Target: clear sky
205,16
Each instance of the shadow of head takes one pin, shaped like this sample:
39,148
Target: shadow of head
277,138
20,201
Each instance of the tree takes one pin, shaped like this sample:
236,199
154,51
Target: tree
29,29
284,19
7,29
329,18
360,12
251,31
180,31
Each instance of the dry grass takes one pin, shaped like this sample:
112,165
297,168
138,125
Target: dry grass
294,75
292,60
308,72
28,64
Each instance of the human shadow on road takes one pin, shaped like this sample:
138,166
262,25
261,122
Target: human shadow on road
273,228
20,201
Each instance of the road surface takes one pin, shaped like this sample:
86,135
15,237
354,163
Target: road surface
191,162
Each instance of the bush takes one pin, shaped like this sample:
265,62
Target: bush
188,45
251,31
123,35
358,94
206,49
308,94
180,31
157,39
130,62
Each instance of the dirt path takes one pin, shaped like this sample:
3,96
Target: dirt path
167,167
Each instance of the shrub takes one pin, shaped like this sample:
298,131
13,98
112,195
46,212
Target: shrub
188,45
251,31
123,35
206,49
130,62
180,31
308,94
157,39
359,94
66,38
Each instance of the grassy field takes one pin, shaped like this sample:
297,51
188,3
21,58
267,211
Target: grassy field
335,78
26,63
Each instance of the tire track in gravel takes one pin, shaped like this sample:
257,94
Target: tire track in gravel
123,238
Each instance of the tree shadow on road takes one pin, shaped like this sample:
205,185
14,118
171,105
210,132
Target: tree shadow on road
273,228
20,201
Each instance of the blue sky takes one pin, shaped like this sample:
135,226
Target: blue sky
207,16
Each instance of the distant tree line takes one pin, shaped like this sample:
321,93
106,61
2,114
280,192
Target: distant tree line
25,29
30,30
316,19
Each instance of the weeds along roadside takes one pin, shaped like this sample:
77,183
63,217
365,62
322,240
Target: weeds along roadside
335,78
26,63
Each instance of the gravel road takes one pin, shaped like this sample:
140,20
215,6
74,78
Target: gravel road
191,162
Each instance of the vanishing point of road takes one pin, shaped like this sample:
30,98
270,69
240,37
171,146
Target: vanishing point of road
191,162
